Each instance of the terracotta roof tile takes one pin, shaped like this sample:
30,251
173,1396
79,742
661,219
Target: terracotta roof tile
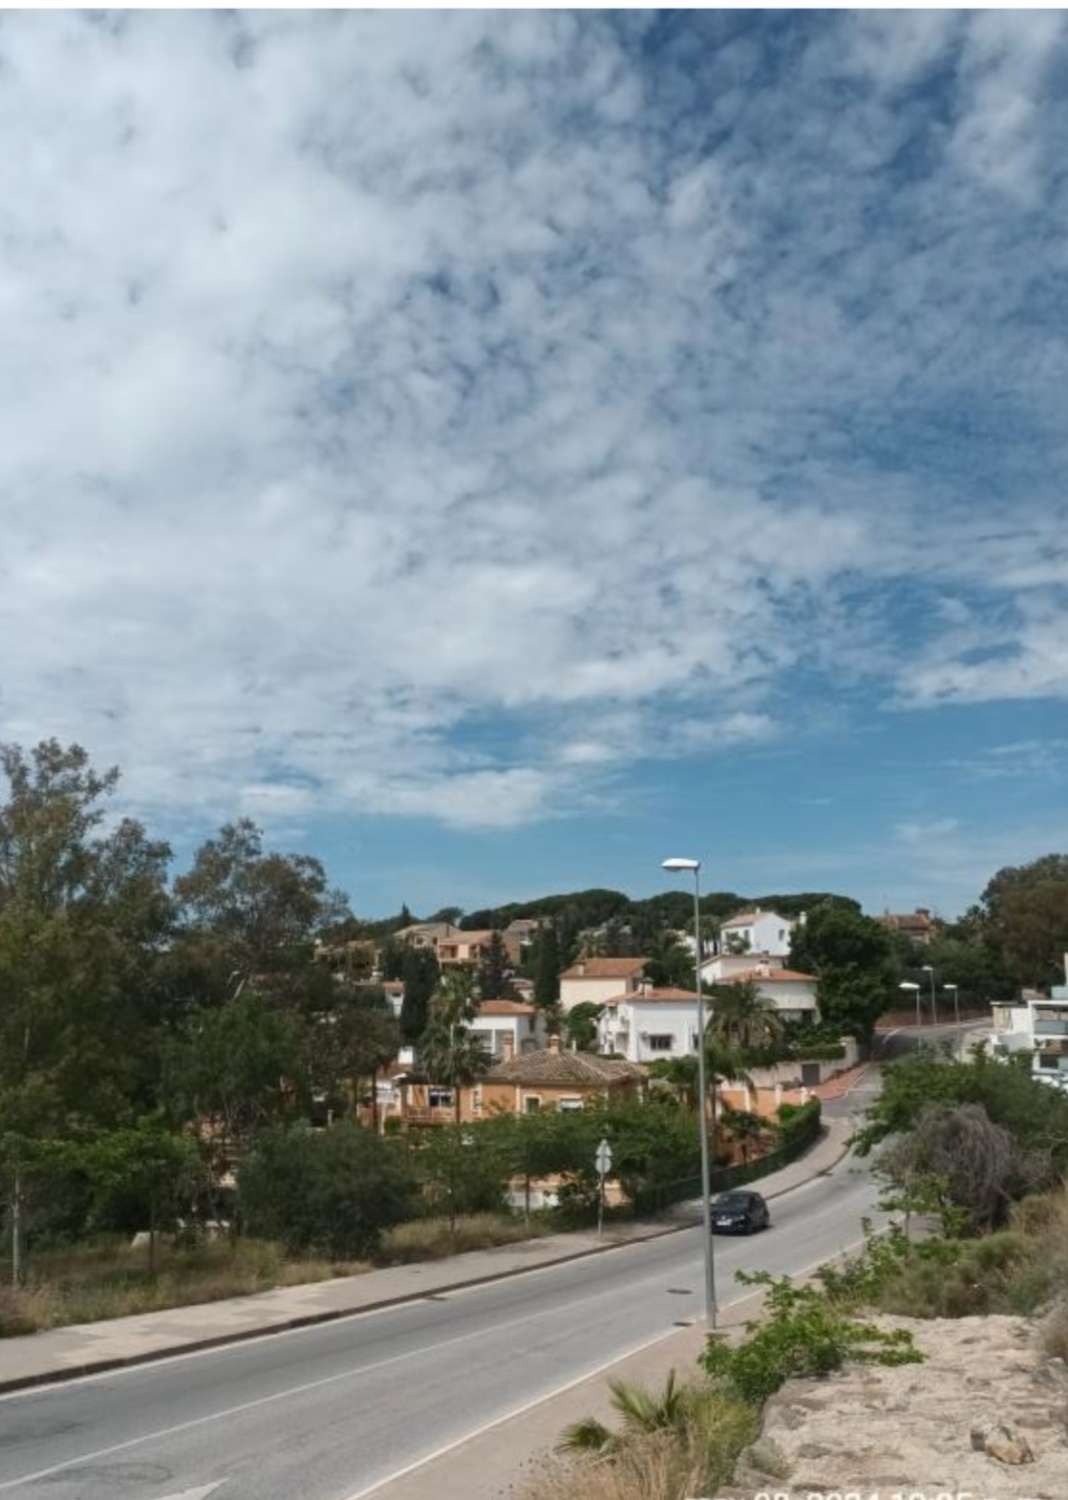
565,1070
506,1008
605,968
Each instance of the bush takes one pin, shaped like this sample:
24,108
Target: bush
333,1191
802,1333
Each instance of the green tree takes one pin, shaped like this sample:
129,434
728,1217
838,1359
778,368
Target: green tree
233,1071
331,1191
391,959
1024,915
669,962
494,981
742,1017
154,1165
852,955
263,911
421,974
547,973
82,921
580,1025
464,1169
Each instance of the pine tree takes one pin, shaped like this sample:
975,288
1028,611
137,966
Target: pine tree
547,978
420,981
493,980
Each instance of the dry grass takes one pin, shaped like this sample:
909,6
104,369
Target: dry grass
110,1279
1019,1270
694,1458
432,1239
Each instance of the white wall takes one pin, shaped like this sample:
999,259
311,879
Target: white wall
527,1033
767,933
620,1028
578,991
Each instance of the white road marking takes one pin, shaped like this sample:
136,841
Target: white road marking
412,1299
569,1385
200,1493
296,1390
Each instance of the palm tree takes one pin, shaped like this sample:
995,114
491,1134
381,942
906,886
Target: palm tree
448,1052
725,1063
641,1410
744,1018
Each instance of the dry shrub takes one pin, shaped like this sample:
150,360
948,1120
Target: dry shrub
432,1238
694,1458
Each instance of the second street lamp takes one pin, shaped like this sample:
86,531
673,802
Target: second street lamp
929,971
676,865
956,1001
906,986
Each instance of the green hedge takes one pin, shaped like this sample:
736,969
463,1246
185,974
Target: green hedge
799,1127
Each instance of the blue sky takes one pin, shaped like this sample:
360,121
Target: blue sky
496,450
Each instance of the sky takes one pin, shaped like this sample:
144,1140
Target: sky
498,450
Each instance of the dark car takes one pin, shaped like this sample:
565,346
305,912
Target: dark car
739,1212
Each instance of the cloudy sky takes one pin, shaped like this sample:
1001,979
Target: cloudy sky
495,451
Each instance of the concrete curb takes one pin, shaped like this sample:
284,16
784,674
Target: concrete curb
335,1315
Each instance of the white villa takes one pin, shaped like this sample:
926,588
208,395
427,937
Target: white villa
756,931
1038,1026
649,1023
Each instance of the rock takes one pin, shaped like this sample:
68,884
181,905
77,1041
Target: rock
1002,1443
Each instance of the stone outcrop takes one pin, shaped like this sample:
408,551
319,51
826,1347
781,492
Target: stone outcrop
987,1412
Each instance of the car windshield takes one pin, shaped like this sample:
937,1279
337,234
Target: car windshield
733,1200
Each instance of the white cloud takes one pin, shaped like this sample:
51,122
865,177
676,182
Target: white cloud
365,383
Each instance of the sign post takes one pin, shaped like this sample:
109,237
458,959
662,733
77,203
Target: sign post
603,1161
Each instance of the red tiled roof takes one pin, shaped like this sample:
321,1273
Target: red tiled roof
665,993
506,1008
605,968
783,976
565,1070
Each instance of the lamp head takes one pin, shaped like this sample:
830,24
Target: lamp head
680,864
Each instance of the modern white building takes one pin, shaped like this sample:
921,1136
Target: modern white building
646,1024
1039,1026
756,931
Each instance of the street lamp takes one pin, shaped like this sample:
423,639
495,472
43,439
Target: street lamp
956,1001
677,865
906,985
928,970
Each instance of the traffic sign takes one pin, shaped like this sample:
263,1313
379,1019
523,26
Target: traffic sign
604,1158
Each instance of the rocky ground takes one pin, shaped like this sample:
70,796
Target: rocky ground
986,1414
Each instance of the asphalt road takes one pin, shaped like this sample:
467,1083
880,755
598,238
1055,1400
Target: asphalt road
327,1413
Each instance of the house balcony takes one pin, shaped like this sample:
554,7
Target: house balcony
1050,1023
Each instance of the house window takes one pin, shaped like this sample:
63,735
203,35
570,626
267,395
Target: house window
439,1098
662,1042
1048,1060
569,1106
532,1104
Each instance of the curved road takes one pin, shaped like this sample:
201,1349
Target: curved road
329,1413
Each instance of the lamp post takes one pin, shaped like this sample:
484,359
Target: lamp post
956,1001
929,971
702,1125
906,985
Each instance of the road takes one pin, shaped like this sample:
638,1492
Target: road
328,1413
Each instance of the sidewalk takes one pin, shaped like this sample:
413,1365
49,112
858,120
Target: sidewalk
88,1348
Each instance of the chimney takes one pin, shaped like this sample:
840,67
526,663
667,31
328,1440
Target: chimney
582,970
764,967
554,1043
507,1046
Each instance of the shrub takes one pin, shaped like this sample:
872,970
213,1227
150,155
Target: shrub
802,1333
333,1191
